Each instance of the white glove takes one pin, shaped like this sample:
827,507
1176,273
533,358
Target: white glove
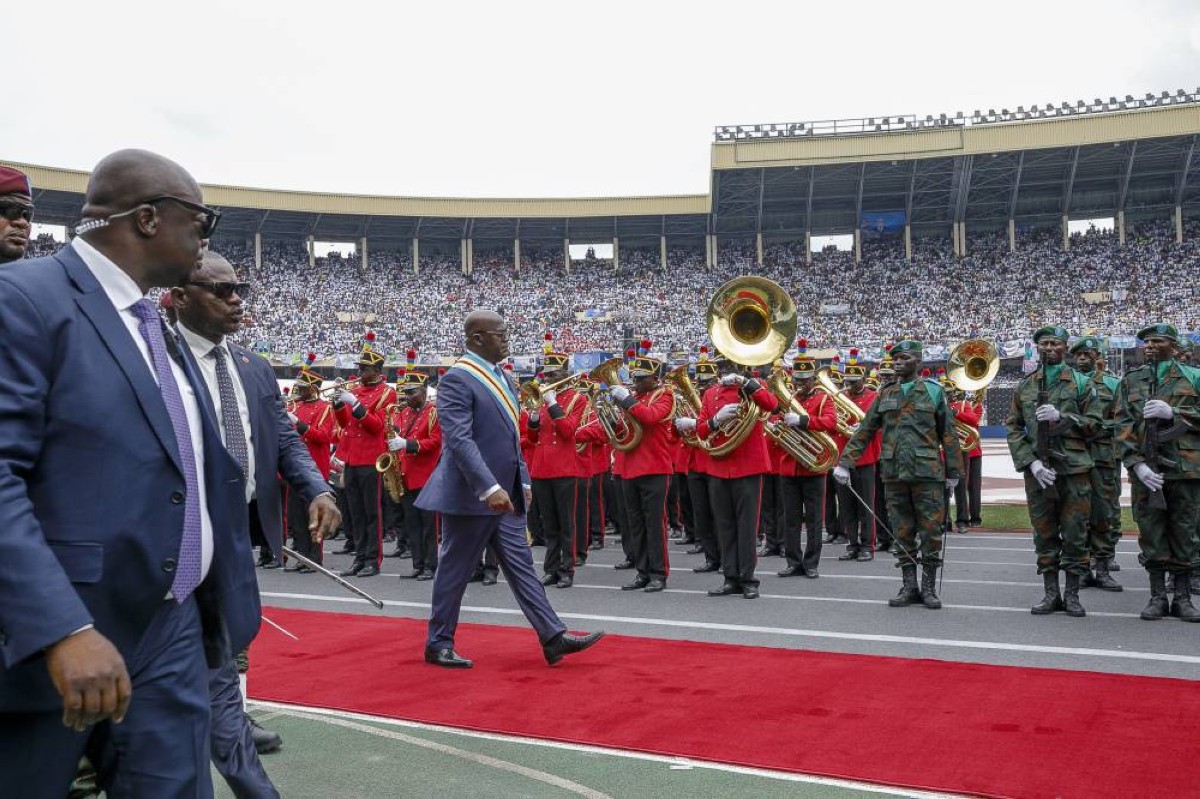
550,398
854,428
951,483
1150,478
293,417
619,393
732,379
346,398
1157,409
791,419
396,444
726,413
336,465
535,417
1047,413
842,475
1043,474
685,425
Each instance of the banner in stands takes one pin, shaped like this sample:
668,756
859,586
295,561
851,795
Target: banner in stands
1096,297
835,309
881,223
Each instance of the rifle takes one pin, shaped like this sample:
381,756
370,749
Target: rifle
1150,440
1043,434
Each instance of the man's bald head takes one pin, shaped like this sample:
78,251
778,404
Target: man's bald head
483,319
487,335
121,180
215,267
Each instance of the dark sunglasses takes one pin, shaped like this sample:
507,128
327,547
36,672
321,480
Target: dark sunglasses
211,215
222,290
14,211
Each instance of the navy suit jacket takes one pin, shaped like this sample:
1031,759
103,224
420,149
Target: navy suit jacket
91,487
480,448
278,450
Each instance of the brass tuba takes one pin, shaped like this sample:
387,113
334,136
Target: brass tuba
817,451
687,401
971,366
623,431
531,393
848,414
388,465
751,321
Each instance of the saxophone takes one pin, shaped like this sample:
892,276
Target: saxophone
389,464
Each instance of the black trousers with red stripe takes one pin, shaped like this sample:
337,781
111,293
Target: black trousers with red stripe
621,518
421,528
706,532
687,513
805,498
583,512
362,497
857,524
554,498
736,506
646,511
297,525
596,509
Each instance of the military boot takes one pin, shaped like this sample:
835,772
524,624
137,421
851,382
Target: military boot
1113,566
1103,580
1156,608
1070,599
909,593
929,587
1182,607
1051,601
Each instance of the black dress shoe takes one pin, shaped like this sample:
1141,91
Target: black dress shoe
596,545
850,554
447,658
750,592
638,583
265,740
549,578
489,579
566,644
791,571
656,584
354,569
395,553
683,542
565,580
625,564
836,539
864,555
302,569
273,563
728,589
976,522
769,552
707,567
696,550
427,574
812,574
370,571
292,567
412,575
348,547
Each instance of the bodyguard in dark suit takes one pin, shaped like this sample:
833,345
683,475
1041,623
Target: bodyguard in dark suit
481,488
245,400
124,564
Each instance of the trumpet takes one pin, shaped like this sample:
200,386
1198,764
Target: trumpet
345,384
817,451
532,393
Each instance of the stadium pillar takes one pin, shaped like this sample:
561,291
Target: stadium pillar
808,247
1179,224
517,256
907,242
708,259
616,255
857,246
470,256
1121,228
714,249
758,249
1066,231
416,254
312,253
462,256
962,239
567,255
258,253
662,251
362,249
954,238
1012,235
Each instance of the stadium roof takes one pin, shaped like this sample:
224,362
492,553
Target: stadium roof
1142,161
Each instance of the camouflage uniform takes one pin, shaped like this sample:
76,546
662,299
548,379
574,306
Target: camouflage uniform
1060,527
1104,527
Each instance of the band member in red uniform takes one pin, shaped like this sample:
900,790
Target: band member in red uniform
314,421
361,415
418,440
804,490
967,493
593,463
555,469
735,487
698,475
857,523
773,524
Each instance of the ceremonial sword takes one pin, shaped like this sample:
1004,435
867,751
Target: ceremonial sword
312,564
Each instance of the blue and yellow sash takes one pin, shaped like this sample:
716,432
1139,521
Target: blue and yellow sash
500,392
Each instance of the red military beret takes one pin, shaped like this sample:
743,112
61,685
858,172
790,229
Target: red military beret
14,181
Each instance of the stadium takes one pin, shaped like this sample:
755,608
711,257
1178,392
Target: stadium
984,225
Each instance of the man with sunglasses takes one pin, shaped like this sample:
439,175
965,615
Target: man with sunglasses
16,214
123,569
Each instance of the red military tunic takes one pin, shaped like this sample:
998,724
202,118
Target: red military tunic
363,440
822,418
751,457
315,418
655,453
871,454
971,413
423,447
554,453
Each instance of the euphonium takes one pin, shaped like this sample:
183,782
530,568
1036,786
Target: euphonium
388,465
848,414
817,451
531,393
623,431
971,366
687,401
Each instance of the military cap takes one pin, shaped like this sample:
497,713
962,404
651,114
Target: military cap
907,345
1160,329
1051,331
369,356
1085,343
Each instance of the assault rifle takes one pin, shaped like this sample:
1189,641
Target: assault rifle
1043,435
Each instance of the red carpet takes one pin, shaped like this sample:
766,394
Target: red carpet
989,730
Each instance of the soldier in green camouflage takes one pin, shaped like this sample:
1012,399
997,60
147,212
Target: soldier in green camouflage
1104,525
917,429
1052,407
1158,437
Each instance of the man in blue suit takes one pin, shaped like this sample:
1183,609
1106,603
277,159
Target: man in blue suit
481,488
244,398
124,564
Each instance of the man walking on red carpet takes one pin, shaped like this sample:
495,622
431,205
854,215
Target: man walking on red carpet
481,488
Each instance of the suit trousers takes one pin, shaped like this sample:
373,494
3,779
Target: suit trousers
857,524
611,499
674,519
596,510
969,492
464,539
297,525
421,529
362,496
805,498
232,741
393,515
646,510
706,534
160,750
622,519
583,513
686,512
736,505
533,519
832,508
555,499
768,522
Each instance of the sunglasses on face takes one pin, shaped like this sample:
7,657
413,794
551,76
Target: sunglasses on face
222,290
14,211
211,215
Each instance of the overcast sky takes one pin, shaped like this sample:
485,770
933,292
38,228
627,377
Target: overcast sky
538,99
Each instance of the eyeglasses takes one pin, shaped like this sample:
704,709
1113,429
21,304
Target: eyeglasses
222,290
14,211
211,215
500,334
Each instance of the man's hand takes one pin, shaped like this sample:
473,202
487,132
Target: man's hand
323,518
535,418
550,398
725,413
1150,478
951,483
1047,413
619,393
89,674
498,502
346,398
1157,409
842,475
336,464
685,425
732,379
1043,474
396,443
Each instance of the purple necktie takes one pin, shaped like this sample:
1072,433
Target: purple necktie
187,571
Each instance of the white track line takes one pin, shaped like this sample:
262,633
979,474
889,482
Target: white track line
1118,654
333,716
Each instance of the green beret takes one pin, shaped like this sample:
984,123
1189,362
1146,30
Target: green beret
1086,343
1161,329
1051,331
907,345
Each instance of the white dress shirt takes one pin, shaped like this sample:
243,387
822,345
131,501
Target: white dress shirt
202,350
123,293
